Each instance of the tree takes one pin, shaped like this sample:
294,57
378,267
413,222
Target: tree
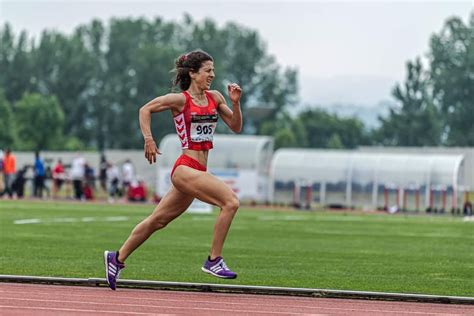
64,68
101,75
452,74
15,64
335,142
97,108
7,52
316,128
7,125
39,121
326,130
139,59
416,122
285,138
288,132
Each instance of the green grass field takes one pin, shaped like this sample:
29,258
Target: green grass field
332,250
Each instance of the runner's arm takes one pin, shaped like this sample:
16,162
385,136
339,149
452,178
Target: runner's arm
171,101
232,118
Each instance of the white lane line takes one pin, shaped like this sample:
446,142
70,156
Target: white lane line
70,220
76,310
27,221
116,218
289,218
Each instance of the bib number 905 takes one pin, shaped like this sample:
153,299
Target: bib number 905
204,129
202,132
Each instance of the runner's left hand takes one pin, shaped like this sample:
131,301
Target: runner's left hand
234,92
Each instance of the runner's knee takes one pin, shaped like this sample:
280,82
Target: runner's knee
232,204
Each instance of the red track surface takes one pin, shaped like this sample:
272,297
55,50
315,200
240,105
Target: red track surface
33,299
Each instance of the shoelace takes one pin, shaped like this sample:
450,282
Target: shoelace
224,266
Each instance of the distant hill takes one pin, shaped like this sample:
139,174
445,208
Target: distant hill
367,114
365,97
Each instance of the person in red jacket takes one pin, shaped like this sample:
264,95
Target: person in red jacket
137,191
58,177
9,170
195,111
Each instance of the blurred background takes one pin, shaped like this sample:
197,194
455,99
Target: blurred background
346,104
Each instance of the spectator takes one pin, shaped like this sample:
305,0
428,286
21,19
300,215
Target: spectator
58,177
103,173
89,183
39,176
89,174
88,192
77,173
467,208
127,175
18,185
113,182
137,191
1,171
47,178
9,170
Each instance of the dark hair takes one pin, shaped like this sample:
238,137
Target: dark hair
191,61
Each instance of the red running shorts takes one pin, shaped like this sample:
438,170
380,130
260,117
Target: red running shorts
188,161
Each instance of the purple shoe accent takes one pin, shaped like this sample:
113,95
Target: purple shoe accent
218,268
112,268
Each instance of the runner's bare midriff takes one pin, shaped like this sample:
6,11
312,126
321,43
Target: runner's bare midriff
199,155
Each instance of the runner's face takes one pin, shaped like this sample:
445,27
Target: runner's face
203,78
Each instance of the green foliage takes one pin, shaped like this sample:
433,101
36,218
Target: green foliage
315,128
325,130
39,122
417,121
285,138
335,142
71,144
101,75
452,74
436,105
7,125
15,64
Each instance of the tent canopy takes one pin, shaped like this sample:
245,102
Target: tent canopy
334,166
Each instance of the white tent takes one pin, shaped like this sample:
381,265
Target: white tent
361,179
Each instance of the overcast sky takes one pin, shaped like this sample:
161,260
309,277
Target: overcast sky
346,52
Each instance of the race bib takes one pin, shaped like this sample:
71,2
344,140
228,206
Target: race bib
203,127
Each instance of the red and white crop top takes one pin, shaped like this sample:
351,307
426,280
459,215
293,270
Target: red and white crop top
196,124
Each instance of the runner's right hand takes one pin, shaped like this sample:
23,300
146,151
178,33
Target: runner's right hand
151,150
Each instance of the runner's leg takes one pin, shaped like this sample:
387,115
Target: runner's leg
209,189
173,204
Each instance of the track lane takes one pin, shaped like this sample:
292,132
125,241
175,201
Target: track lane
34,299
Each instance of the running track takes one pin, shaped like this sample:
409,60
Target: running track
35,299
